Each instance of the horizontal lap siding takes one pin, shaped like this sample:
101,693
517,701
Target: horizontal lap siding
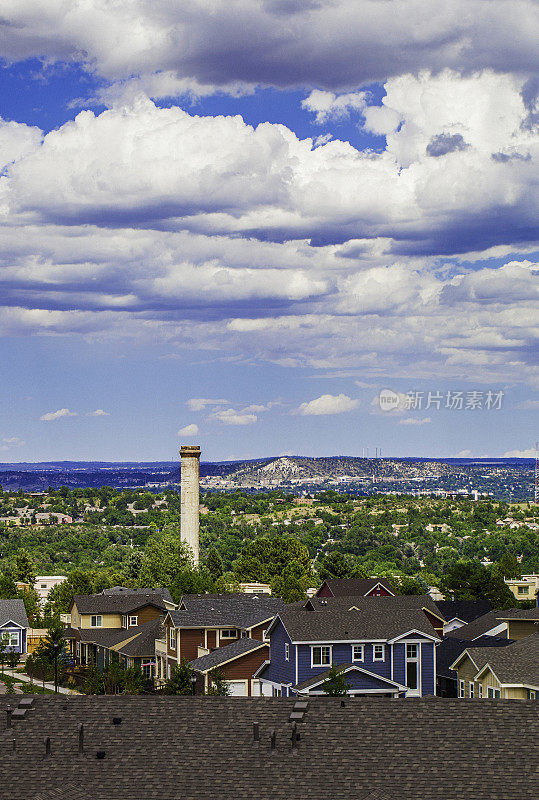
258,630
190,641
399,669
427,669
280,670
356,680
245,666
342,654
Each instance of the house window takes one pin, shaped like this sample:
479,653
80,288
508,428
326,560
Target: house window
493,692
462,689
480,690
321,656
378,652
357,652
96,621
412,666
531,694
472,690
522,590
124,621
172,638
133,622
11,638
229,633
286,651
277,692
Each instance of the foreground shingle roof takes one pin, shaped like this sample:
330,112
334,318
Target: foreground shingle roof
13,611
373,622
227,653
201,748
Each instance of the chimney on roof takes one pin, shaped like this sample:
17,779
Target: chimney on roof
9,712
273,740
189,497
47,741
81,739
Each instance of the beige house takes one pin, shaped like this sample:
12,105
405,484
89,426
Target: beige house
520,622
524,588
44,583
509,673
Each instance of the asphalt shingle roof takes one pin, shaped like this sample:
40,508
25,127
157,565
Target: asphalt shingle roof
357,587
517,663
450,649
227,653
409,601
13,611
117,603
520,613
465,610
144,642
479,627
201,748
226,610
373,622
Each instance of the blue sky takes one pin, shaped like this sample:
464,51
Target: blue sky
236,223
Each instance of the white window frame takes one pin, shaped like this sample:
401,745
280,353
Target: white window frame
172,638
374,656
11,638
124,620
532,694
96,624
462,688
361,648
471,689
286,651
480,690
321,648
131,623
494,694
228,633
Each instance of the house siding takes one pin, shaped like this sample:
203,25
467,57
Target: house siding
427,668
342,654
280,670
190,641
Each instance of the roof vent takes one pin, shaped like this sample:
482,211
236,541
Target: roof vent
116,720
100,754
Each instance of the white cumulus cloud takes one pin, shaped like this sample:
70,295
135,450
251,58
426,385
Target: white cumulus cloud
189,430
50,416
529,453
230,416
415,421
328,404
99,412
200,403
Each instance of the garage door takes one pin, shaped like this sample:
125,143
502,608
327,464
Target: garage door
237,688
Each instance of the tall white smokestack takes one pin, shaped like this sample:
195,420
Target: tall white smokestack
190,458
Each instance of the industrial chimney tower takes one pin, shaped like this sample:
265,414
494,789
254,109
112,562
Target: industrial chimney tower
189,523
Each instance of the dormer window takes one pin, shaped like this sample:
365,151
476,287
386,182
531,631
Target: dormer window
133,621
172,638
358,652
96,621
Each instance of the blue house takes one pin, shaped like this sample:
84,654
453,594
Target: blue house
13,624
383,649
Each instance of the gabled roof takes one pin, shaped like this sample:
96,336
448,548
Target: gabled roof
222,655
479,627
421,602
225,610
13,611
124,590
465,610
143,639
377,623
356,587
450,648
319,679
118,603
516,664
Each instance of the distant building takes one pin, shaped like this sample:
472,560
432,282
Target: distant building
255,588
524,588
355,587
44,583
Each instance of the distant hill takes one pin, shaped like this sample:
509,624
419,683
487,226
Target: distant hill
262,471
